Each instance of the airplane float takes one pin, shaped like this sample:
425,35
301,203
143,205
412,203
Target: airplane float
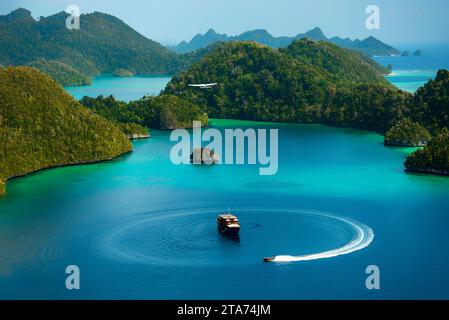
203,85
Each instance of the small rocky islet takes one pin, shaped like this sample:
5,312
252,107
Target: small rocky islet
342,88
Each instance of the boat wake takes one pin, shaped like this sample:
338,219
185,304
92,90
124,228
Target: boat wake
362,239
168,237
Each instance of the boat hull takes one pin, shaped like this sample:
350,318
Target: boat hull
227,230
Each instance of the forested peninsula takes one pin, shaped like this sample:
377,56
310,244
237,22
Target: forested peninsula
308,81
318,82
42,126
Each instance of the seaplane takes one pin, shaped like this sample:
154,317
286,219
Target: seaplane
203,85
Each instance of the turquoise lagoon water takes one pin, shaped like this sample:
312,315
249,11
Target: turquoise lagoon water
141,227
122,88
410,73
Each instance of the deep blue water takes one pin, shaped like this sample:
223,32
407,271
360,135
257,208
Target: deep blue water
141,227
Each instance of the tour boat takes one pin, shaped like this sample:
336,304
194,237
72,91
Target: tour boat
228,223
268,259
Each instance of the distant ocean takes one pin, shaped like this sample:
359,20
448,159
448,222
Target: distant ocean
140,227
410,73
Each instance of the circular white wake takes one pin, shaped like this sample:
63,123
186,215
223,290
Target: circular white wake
167,237
363,238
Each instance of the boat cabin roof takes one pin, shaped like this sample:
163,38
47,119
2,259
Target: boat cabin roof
227,216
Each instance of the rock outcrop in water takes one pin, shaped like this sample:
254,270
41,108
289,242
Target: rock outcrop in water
122,73
204,156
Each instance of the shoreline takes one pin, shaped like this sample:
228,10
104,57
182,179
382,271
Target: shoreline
142,137
403,145
136,136
432,172
265,122
92,78
80,163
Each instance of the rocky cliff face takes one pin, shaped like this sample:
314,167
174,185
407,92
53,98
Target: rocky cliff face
204,156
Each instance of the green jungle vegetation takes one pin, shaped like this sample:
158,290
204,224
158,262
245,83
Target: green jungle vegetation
313,82
156,112
102,45
430,108
307,82
340,64
105,44
434,158
131,129
430,105
61,72
42,126
406,133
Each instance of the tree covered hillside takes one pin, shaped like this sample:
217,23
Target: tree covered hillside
432,159
160,112
430,109
341,64
42,126
406,133
61,72
103,44
431,103
307,82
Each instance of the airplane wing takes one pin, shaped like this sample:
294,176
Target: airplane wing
203,85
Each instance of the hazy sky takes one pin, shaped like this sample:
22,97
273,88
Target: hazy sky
170,21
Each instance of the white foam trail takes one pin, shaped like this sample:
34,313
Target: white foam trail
364,237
